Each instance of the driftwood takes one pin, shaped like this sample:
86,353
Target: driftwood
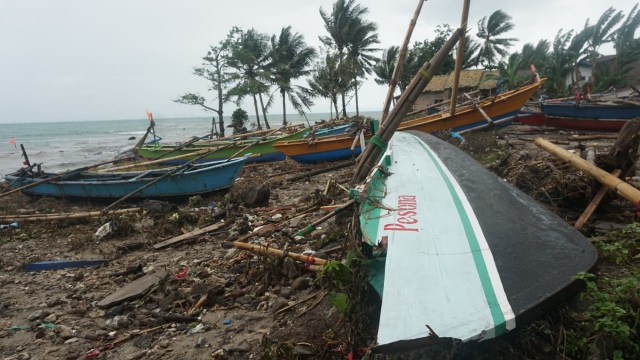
612,182
307,230
308,174
594,203
625,148
190,235
67,216
262,249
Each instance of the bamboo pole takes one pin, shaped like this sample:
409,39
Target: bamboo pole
397,71
309,174
459,58
62,175
309,228
254,143
479,108
163,176
159,161
612,182
369,157
261,249
67,216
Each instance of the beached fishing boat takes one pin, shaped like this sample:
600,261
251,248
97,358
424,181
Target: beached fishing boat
458,252
501,109
332,131
328,148
585,115
261,149
190,180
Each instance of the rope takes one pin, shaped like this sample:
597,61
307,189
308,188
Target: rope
425,74
377,141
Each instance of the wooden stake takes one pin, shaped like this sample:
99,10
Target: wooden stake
307,230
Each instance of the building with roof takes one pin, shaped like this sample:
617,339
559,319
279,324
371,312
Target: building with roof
480,82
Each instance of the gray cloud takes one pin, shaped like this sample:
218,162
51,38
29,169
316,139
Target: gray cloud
81,60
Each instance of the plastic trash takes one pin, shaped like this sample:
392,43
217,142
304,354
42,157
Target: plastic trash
13,225
105,230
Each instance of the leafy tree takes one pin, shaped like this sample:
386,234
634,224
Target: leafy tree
600,33
215,69
347,28
249,56
238,119
536,55
360,51
383,69
290,60
327,81
559,63
627,47
493,45
509,71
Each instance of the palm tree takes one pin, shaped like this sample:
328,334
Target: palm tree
627,47
383,69
509,71
492,45
290,60
326,80
536,55
599,34
250,56
360,51
559,63
345,18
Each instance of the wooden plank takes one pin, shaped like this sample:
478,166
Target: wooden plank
133,290
180,238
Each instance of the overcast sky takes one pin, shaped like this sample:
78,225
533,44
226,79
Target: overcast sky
72,60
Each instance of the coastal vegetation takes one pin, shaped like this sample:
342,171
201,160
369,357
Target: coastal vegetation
249,64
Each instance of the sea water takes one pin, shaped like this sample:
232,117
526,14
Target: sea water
64,146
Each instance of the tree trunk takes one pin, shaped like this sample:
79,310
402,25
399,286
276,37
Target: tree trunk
255,105
334,100
284,107
357,105
220,104
264,113
344,106
213,127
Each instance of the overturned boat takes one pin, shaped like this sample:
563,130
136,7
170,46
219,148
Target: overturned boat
459,253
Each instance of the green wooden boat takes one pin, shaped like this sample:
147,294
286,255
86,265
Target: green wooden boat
262,150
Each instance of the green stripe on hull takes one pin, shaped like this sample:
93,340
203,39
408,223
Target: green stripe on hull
481,266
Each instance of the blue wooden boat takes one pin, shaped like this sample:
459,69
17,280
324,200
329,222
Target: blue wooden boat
191,180
585,115
333,131
458,253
